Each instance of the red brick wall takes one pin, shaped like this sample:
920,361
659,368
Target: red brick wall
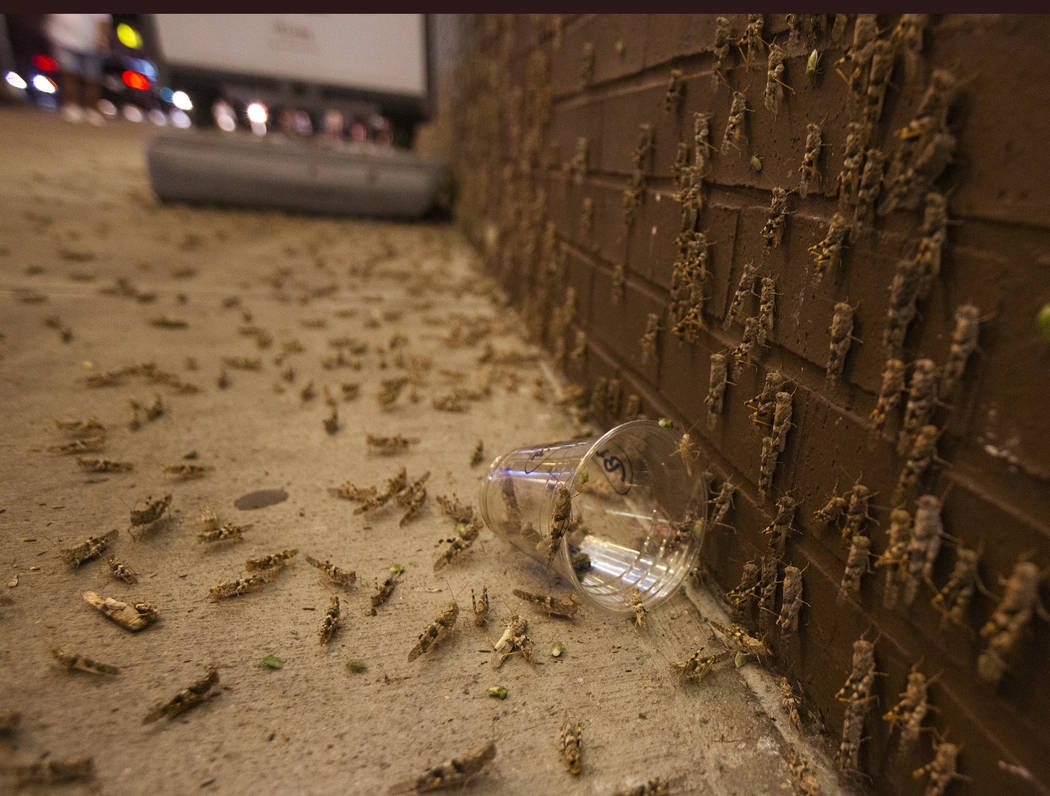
528,91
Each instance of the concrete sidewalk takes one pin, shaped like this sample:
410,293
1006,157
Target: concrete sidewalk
82,239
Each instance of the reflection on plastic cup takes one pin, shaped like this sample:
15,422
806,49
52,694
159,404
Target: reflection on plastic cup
622,512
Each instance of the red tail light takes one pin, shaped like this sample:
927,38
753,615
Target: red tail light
135,80
45,63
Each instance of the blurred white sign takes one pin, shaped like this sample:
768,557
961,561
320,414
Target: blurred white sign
375,52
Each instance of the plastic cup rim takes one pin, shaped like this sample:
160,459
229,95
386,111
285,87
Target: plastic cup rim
571,485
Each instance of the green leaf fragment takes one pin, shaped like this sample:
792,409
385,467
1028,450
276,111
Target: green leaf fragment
397,569
813,63
190,455
665,422
1042,319
272,662
497,691
356,666
581,562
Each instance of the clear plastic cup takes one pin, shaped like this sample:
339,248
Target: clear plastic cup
623,512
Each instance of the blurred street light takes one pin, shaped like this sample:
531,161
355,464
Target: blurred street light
128,36
15,80
135,80
257,113
44,84
182,101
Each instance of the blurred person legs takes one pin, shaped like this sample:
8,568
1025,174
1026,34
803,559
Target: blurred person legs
81,88
80,42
